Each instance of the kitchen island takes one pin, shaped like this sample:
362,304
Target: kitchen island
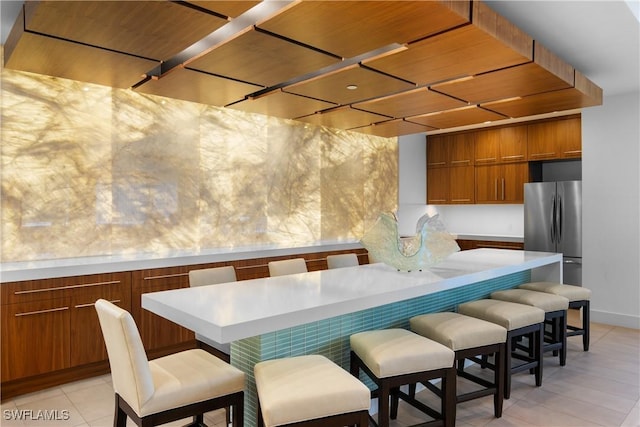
316,312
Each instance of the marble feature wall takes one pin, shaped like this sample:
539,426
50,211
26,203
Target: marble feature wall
89,170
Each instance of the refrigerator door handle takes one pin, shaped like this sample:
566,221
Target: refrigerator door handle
560,218
552,228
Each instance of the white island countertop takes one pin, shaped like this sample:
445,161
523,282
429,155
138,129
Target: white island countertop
237,310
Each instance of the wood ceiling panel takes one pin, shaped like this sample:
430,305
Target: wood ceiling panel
410,103
547,73
343,118
522,80
53,57
393,128
351,28
548,102
195,86
462,52
151,29
333,87
458,117
262,59
282,104
232,9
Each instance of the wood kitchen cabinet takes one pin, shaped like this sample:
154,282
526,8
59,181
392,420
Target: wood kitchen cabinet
438,151
450,173
501,145
158,334
501,183
50,324
555,139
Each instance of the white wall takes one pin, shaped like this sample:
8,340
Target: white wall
611,209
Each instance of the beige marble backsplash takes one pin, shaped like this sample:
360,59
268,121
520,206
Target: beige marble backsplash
90,170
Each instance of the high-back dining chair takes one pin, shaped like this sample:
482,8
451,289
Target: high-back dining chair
287,266
342,260
167,389
213,276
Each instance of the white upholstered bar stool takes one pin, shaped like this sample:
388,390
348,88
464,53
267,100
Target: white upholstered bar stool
342,260
555,314
287,266
169,388
309,391
579,299
213,276
520,321
469,338
396,357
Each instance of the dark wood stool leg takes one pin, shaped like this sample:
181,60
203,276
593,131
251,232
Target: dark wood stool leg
499,380
537,345
563,338
507,364
383,404
585,325
448,403
393,413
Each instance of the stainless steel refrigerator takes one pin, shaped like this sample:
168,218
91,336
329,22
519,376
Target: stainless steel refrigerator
553,223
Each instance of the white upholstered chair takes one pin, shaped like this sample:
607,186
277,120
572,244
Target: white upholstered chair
287,266
342,260
170,388
213,276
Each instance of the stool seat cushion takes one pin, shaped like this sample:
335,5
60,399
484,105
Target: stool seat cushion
189,377
303,388
393,352
509,315
571,292
457,331
542,300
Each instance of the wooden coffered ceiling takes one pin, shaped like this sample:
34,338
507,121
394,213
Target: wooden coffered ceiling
385,68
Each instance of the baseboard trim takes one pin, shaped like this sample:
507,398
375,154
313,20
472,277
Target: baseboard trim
615,319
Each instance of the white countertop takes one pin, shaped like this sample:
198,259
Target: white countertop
232,311
64,267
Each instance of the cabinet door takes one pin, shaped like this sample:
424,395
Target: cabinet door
461,149
488,183
543,140
438,186
513,143
571,138
437,151
514,176
157,332
487,146
462,185
87,343
35,338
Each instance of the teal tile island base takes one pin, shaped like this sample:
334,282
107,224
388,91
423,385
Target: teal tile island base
330,337
316,312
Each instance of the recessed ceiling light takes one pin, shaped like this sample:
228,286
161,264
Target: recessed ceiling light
352,87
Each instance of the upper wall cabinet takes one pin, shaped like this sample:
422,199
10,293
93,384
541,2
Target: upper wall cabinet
507,144
491,165
555,139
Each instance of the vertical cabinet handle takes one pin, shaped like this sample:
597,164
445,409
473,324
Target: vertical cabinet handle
502,188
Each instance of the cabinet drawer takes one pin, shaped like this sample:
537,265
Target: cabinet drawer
90,287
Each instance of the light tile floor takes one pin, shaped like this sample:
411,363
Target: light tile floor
596,388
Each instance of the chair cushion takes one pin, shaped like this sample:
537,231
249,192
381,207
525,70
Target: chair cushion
392,352
542,300
509,315
457,331
305,388
188,377
571,292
